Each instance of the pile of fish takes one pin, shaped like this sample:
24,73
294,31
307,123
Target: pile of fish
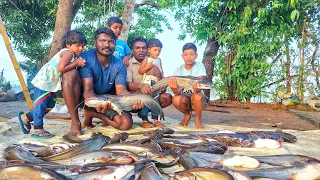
191,155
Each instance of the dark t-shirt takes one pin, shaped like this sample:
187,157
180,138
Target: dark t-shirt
104,78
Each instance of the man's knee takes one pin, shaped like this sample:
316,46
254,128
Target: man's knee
197,97
71,76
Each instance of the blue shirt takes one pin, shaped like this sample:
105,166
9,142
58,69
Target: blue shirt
104,78
122,49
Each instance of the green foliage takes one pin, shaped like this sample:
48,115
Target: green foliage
249,33
4,84
30,24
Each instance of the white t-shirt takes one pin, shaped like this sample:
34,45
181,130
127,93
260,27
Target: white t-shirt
197,70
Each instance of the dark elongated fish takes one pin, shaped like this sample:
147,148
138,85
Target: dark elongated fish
90,145
203,173
273,135
150,172
112,172
285,160
310,171
26,172
182,82
184,158
125,102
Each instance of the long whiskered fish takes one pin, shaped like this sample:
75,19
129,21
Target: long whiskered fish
182,82
125,102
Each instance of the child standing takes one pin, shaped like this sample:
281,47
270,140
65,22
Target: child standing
154,50
48,80
122,51
185,100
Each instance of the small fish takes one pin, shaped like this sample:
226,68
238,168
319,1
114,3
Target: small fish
182,82
125,102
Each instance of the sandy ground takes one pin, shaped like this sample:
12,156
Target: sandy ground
257,116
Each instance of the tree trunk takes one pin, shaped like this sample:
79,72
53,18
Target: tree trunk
211,50
288,66
300,89
63,24
126,19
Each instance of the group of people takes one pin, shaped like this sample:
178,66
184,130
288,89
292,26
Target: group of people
111,68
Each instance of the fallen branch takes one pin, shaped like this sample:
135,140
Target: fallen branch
214,110
229,105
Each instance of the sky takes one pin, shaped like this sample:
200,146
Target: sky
170,54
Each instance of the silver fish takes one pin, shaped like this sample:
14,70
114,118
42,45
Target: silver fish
125,102
90,145
182,82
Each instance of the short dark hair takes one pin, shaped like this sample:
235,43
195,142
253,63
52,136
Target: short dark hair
73,37
113,20
106,31
154,43
139,38
189,46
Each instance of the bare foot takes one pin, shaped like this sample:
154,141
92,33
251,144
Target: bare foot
199,125
88,115
75,129
185,120
25,120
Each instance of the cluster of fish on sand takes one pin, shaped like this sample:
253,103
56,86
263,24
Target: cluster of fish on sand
196,155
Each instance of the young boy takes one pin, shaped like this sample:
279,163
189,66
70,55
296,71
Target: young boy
185,100
154,50
122,51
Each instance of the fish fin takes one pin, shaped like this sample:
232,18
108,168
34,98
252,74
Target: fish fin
299,164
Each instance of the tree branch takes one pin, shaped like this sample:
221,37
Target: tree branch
146,3
280,80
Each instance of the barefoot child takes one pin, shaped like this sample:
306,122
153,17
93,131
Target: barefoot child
186,99
48,80
122,51
154,50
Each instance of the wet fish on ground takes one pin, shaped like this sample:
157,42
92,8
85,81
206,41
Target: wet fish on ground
150,172
16,153
182,82
100,156
38,150
111,172
184,158
138,149
125,102
203,174
90,145
299,171
29,172
285,160
226,160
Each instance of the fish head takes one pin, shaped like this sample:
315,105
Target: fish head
204,84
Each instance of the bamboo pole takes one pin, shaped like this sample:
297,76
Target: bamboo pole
15,65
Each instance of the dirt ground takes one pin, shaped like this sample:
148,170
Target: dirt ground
263,116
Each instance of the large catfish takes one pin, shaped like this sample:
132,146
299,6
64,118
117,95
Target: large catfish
182,82
125,102
90,145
